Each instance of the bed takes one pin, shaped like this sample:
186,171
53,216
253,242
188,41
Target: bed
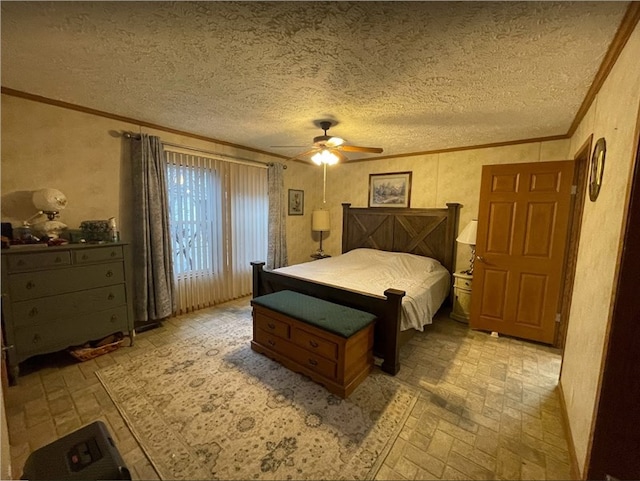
422,232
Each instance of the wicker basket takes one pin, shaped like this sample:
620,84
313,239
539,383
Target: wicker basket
87,353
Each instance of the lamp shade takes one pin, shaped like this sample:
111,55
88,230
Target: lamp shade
468,234
320,220
49,200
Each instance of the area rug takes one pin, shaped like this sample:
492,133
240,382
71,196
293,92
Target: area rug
209,407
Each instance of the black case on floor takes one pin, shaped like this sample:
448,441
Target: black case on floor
88,453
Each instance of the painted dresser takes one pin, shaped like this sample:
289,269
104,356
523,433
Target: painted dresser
57,297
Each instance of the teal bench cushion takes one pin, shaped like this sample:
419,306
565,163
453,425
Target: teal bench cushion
341,320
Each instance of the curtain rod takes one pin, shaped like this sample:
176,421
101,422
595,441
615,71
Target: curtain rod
131,135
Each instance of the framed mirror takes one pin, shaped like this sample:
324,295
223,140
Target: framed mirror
596,169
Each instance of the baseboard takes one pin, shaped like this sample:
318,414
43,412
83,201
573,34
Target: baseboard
573,459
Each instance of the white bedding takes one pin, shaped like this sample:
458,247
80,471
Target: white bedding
425,281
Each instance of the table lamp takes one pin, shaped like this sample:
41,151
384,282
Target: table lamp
468,236
320,222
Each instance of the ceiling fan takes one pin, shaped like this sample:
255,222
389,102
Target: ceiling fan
329,150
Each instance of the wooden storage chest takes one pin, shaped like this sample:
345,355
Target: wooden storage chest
331,344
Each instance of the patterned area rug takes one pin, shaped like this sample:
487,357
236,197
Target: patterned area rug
210,408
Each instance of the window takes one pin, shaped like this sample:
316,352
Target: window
218,213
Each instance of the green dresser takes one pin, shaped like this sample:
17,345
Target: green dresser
57,297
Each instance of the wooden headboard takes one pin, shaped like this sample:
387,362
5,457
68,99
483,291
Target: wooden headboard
425,232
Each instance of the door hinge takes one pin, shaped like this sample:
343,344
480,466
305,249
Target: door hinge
558,317
574,189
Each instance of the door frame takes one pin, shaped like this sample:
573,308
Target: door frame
580,179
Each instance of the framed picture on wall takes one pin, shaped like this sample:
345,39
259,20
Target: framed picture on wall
296,202
390,190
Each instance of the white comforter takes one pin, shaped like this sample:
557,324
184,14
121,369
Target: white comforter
425,281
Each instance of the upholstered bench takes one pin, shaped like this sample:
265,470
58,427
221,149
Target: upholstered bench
330,343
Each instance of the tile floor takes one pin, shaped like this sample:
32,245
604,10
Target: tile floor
488,407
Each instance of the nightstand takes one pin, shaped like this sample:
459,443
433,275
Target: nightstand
317,256
461,296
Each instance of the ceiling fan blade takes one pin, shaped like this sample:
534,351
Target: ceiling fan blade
353,148
302,154
288,146
340,155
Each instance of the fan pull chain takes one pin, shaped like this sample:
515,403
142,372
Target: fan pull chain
324,185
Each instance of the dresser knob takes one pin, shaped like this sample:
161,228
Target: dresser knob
313,362
109,274
111,297
113,253
30,285
271,326
58,260
85,257
21,262
36,339
114,318
33,312
313,343
271,342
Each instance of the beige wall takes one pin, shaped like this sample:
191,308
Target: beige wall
612,116
437,179
83,156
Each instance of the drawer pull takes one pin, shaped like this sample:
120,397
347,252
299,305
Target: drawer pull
113,253
30,285
313,343
109,273
271,326
111,297
85,257
313,362
21,262
271,342
36,339
114,318
33,312
58,260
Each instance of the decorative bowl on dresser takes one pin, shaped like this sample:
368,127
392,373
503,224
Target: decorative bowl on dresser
58,297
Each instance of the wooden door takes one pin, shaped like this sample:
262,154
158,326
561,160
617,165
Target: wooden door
520,247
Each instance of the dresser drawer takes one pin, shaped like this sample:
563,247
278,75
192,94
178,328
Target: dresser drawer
68,305
61,281
97,254
70,331
40,260
463,283
271,325
315,344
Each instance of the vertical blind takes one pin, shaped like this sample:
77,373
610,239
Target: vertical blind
218,213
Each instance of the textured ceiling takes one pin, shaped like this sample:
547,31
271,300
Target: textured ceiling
407,77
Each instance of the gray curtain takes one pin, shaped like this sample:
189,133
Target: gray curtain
153,270
277,250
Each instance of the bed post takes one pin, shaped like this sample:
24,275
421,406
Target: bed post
452,227
390,335
345,225
257,274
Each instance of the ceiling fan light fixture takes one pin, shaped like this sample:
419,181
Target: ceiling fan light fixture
325,156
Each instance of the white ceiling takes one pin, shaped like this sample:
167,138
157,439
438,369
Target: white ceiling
405,76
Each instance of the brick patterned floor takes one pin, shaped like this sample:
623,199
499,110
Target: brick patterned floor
488,407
